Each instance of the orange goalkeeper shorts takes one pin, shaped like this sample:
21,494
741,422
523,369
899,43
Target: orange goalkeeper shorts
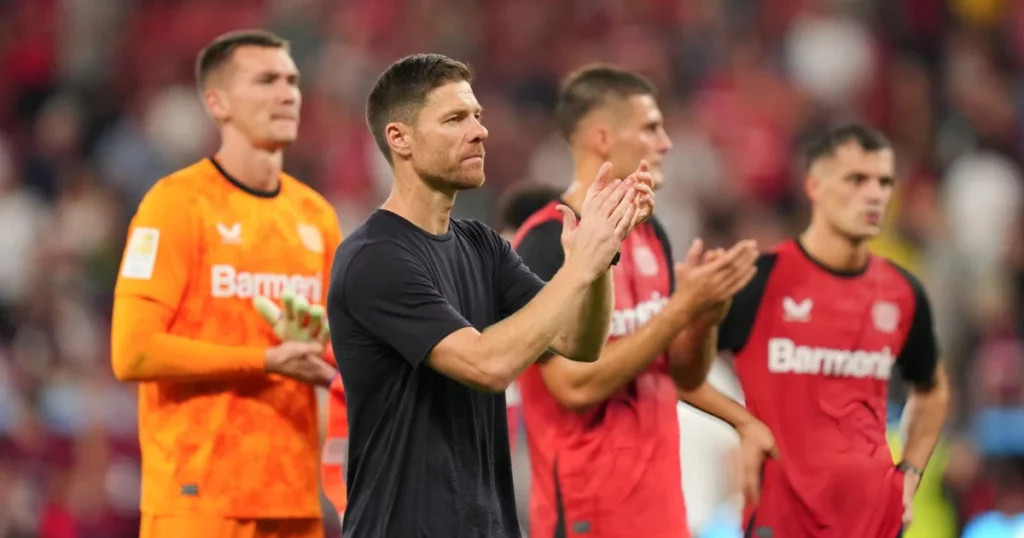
219,527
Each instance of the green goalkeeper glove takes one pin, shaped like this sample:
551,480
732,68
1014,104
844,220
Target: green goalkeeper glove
299,321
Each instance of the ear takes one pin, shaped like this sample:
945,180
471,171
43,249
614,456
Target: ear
812,186
217,104
399,137
602,139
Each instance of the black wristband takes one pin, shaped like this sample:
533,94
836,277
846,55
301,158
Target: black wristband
905,467
615,260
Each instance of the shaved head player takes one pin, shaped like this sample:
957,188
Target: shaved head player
229,440
434,317
816,336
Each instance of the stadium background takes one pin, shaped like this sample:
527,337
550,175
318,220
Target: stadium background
97,101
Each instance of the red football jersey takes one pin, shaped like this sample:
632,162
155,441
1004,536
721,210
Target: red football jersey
613,471
814,352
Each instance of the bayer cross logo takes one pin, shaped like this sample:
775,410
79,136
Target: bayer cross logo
886,316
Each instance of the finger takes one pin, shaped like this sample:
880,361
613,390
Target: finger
738,281
642,183
568,219
625,224
601,186
308,348
267,309
731,257
316,319
694,252
603,178
288,301
325,333
617,195
301,311
629,199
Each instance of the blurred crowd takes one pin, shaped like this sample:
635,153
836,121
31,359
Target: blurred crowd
97,101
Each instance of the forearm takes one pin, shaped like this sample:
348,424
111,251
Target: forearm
582,338
582,385
925,415
692,353
708,399
142,350
509,346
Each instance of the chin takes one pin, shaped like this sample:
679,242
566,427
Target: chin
467,181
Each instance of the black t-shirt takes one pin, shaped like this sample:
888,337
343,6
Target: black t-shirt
428,456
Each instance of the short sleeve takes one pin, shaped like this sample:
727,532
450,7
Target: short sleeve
541,249
739,321
919,357
389,293
517,285
161,248
666,246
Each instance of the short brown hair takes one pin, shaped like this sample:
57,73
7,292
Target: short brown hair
220,50
402,90
591,87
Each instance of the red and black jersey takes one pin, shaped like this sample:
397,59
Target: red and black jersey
614,471
814,352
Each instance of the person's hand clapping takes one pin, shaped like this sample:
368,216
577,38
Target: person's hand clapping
708,280
608,213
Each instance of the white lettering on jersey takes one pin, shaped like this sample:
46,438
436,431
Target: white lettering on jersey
227,282
785,357
627,320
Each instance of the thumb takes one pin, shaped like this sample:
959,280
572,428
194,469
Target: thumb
309,348
568,218
644,167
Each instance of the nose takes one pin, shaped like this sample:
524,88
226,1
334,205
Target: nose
664,142
874,191
288,94
478,133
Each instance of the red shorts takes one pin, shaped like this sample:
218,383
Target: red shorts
868,509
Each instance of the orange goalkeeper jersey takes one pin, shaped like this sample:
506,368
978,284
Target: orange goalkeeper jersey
202,245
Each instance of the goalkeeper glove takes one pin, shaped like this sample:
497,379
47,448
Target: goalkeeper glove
299,321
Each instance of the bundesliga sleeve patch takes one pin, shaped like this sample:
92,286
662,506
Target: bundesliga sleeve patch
140,254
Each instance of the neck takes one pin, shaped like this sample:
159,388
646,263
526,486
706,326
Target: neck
833,250
253,167
416,201
585,172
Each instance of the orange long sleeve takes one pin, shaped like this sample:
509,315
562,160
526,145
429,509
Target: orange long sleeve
143,350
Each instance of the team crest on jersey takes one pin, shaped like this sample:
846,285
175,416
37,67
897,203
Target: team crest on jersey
886,316
645,260
311,238
797,311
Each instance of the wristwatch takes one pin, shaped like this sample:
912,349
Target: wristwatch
615,260
905,467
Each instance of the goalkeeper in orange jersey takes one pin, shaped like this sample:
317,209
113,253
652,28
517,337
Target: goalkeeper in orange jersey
227,413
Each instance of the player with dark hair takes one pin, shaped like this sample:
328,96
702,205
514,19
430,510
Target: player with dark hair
228,450
815,336
434,317
604,436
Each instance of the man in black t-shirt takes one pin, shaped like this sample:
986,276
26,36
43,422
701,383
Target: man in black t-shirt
432,318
